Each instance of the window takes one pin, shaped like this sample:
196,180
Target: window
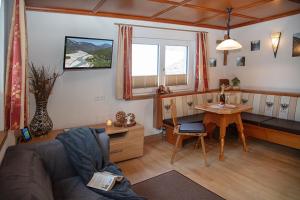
176,65
161,62
144,65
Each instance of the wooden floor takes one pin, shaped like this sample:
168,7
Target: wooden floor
268,171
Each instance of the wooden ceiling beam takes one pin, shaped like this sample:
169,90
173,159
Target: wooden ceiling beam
122,16
98,6
170,8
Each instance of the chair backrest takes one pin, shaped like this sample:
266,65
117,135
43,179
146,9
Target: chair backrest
173,112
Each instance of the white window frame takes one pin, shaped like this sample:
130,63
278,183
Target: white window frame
161,63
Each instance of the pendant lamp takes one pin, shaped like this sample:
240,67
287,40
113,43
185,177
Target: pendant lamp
228,44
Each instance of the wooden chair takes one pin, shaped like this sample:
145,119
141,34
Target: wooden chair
191,129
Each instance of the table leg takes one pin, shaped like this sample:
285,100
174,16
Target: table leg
209,126
222,137
241,131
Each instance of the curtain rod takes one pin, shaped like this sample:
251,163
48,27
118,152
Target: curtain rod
164,28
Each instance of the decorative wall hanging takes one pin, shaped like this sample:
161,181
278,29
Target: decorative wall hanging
255,45
240,61
212,62
218,41
275,42
296,44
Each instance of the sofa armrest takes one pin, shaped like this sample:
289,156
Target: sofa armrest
104,140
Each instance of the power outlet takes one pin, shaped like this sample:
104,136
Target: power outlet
100,98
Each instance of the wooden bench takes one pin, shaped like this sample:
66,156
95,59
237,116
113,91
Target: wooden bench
275,116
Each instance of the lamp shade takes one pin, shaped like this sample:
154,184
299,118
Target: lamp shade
275,42
229,44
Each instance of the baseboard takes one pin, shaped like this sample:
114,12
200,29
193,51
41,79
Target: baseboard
153,138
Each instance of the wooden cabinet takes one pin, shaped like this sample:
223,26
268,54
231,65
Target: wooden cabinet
125,142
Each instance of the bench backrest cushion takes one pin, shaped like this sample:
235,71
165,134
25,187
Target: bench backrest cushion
282,107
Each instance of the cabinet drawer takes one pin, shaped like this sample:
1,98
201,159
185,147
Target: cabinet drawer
123,151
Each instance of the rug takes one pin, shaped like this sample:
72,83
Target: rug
173,186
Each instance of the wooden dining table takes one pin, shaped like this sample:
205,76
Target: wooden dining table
222,116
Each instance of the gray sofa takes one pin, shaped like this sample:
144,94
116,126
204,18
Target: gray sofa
42,171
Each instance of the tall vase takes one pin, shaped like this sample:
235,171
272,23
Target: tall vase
41,123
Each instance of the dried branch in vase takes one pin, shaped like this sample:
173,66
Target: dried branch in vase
41,82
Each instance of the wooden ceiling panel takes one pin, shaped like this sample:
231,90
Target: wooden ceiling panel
186,14
272,8
133,7
221,4
221,21
65,4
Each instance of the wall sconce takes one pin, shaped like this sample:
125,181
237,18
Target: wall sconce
275,42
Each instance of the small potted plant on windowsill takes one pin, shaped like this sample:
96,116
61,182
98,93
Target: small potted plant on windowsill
235,83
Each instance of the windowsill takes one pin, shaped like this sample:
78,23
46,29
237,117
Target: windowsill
142,97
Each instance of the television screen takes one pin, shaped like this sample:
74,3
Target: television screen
87,53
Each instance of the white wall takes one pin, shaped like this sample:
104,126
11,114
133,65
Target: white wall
73,102
262,70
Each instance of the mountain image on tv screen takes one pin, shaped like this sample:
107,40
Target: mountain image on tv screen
87,53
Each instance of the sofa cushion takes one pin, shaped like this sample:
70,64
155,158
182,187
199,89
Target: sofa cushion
73,189
185,119
56,160
23,176
191,128
282,125
254,118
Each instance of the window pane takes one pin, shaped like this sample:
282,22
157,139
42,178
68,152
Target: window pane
144,59
176,60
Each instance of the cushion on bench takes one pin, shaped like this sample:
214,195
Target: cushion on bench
191,128
282,125
185,119
254,118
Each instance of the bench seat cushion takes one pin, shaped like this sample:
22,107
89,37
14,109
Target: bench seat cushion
282,125
186,119
191,128
254,119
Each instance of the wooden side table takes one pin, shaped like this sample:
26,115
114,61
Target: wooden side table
125,142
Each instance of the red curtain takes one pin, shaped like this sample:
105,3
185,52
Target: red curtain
201,77
15,87
124,65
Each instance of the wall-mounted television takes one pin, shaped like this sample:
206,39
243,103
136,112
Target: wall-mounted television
87,53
